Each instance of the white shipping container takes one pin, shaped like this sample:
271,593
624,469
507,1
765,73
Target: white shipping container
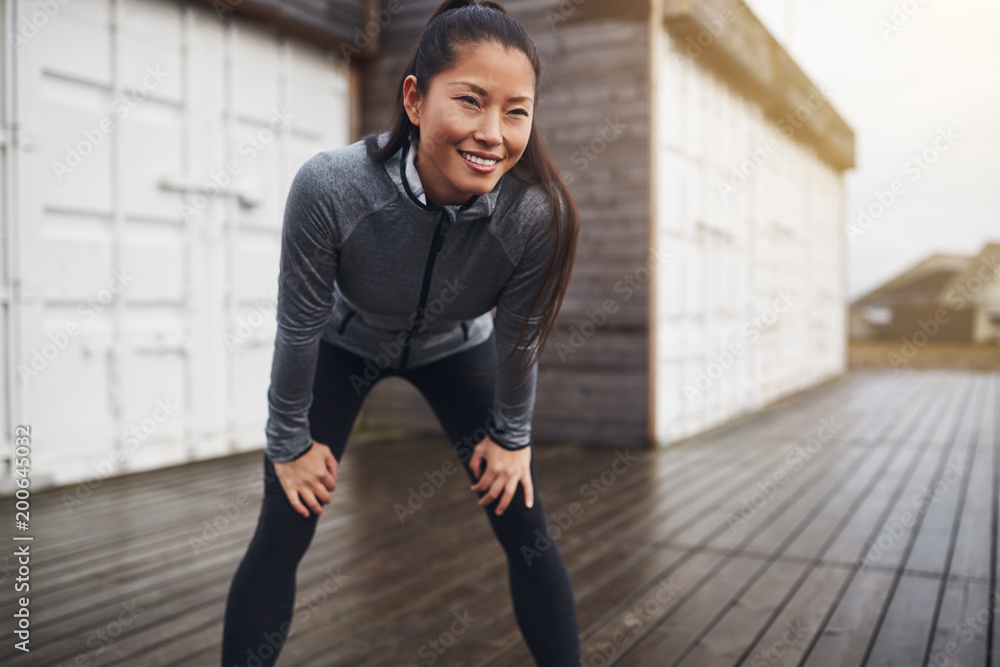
158,144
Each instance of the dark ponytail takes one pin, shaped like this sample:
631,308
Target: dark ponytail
457,23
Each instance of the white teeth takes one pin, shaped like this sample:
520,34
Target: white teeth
478,160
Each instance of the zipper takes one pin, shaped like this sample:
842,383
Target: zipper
347,318
436,242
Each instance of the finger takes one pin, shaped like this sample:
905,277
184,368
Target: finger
493,493
293,498
485,481
321,493
311,501
477,457
508,496
529,492
328,479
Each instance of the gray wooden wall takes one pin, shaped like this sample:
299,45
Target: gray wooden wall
324,22
595,71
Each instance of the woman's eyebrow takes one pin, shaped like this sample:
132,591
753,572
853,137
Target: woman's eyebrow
482,91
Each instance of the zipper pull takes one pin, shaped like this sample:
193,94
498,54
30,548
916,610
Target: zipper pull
438,242
439,236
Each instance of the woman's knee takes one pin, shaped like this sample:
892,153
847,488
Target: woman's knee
520,529
277,516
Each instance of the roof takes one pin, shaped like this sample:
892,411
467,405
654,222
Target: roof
938,277
751,59
980,272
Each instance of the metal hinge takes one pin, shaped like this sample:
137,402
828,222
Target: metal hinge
245,200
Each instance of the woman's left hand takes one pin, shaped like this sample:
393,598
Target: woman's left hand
505,469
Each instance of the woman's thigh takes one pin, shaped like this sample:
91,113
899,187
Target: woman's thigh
463,403
461,400
283,535
340,386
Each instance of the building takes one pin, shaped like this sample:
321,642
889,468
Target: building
947,297
158,139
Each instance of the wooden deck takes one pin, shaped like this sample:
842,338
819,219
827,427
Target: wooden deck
854,524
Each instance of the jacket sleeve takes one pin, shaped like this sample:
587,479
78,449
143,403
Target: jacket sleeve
310,250
510,424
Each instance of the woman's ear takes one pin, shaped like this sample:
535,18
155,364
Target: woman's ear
411,99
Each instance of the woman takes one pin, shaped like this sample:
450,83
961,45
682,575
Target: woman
395,250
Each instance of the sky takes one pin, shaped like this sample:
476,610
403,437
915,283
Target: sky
902,73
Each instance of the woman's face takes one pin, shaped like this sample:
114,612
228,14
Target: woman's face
483,106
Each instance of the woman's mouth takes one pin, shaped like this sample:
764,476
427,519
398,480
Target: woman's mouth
478,164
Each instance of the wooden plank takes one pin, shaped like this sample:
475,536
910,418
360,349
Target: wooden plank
845,633
681,625
728,638
784,640
607,633
863,526
760,593
785,634
751,513
907,622
935,541
841,507
852,622
626,628
971,558
910,616
671,527
961,635
764,589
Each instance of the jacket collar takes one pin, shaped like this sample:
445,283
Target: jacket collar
478,206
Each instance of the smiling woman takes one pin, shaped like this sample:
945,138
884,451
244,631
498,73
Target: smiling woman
474,121
365,246
470,89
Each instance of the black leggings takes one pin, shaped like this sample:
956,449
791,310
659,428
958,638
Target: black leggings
262,594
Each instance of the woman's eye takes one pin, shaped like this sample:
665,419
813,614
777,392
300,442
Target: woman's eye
470,99
523,112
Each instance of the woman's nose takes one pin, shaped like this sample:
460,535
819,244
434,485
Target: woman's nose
488,131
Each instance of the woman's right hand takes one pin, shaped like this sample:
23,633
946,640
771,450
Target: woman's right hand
309,476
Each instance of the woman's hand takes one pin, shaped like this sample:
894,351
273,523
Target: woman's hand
505,469
309,476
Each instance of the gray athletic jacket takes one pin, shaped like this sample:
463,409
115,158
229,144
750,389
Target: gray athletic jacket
368,265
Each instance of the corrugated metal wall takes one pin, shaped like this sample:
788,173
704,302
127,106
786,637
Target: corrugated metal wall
751,221
150,216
